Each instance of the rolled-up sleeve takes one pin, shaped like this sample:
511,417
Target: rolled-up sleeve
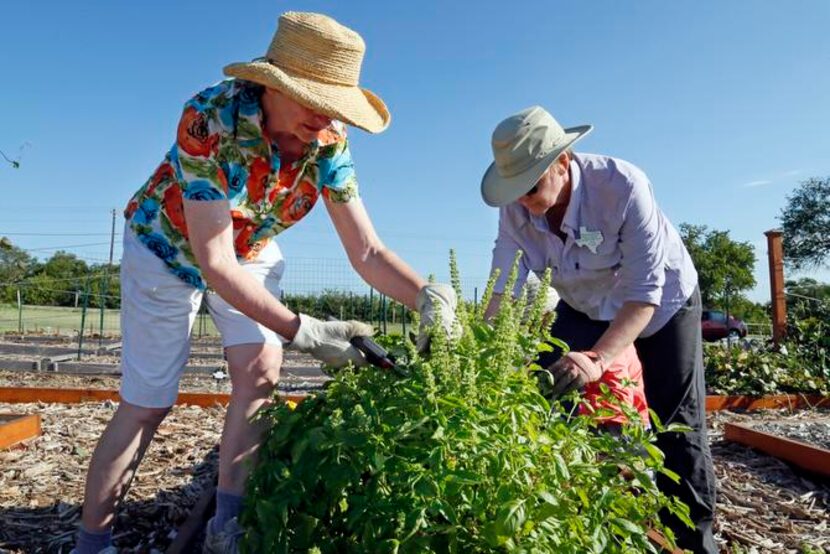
504,252
642,272
337,175
194,156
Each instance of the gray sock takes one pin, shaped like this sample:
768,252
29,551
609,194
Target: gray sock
92,543
228,506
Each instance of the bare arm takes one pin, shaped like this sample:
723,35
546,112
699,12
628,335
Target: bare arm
629,322
493,306
379,266
211,237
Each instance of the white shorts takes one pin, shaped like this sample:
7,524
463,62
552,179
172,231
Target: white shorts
157,314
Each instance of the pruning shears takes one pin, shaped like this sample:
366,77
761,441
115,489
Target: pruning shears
375,354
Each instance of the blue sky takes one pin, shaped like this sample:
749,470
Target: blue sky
723,104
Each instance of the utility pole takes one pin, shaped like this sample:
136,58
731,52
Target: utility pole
112,236
105,285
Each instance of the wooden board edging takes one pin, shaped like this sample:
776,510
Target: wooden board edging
716,403
806,456
16,395
16,428
73,396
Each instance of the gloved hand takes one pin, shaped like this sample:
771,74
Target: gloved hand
574,370
534,287
435,302
328,341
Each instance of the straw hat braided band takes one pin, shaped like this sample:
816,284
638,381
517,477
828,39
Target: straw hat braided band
316,61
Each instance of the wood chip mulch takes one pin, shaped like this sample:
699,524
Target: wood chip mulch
763,505
41,483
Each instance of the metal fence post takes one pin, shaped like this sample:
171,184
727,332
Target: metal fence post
19,313
83,317
371,317
103,300
383,311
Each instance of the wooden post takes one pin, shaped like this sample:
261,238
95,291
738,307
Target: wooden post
775,251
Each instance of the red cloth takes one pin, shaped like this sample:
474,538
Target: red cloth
624,377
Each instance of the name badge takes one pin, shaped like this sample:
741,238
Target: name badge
589,239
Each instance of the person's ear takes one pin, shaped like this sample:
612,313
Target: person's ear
563,162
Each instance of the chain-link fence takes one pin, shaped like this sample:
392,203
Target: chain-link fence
86,307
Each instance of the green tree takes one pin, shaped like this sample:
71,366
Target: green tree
57,281
808,287
724,266
751,312
104,278
805,222
15,265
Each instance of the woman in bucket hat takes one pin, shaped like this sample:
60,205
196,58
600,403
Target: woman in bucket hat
624,277
253,155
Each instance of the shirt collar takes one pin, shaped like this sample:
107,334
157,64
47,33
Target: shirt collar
571,218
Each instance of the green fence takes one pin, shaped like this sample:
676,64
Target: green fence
86,306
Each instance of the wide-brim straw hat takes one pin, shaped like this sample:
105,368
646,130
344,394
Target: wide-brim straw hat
524,146
316,61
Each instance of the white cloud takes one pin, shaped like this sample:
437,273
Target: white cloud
774,179
756,183
783,176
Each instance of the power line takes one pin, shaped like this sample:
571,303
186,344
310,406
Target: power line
56,234
66,246
802,296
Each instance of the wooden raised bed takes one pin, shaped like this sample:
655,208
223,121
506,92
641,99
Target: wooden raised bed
16,428
716,403
74,396
814,459
18,395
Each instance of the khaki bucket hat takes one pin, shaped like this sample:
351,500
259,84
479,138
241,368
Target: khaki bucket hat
316,61
524,146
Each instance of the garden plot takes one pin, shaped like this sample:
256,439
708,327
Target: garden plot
813,432
58,356
765,506
41,483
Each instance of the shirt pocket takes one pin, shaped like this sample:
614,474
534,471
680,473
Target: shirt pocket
600,261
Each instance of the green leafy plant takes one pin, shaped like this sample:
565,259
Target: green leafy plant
464,455
794,368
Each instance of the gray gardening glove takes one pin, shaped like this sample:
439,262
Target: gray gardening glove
435,302
328,341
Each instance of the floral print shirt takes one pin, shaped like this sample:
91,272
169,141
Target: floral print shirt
222,153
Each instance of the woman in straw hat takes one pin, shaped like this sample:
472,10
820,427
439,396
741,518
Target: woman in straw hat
253,155
624,277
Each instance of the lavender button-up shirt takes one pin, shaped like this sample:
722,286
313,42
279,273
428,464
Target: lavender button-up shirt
619,246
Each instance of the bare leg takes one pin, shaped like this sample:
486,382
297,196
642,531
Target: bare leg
114,462
254,370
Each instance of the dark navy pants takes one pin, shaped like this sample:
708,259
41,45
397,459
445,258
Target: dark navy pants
672,361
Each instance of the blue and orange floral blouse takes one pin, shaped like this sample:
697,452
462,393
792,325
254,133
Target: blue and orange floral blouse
222,153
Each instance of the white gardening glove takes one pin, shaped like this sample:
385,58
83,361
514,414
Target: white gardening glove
435,302
534,287
574,370
328,341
